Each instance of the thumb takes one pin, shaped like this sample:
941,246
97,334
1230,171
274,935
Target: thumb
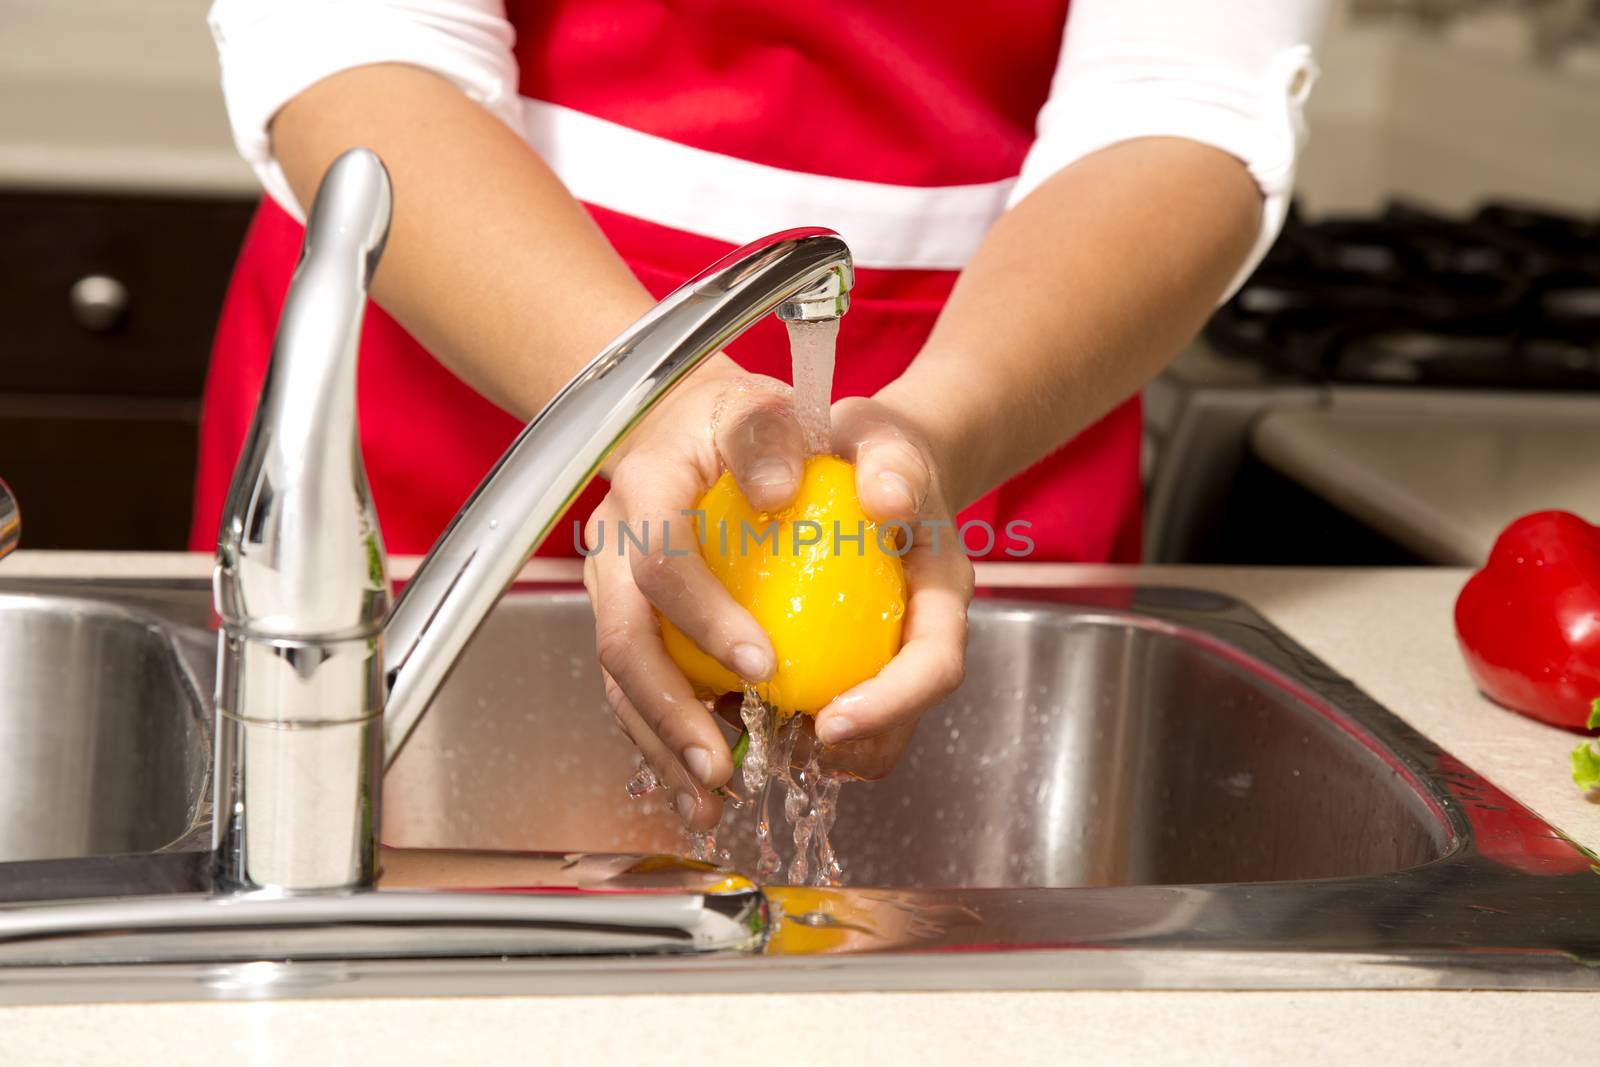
765,452
892,474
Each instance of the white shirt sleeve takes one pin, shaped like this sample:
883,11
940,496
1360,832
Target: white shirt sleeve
271,50
1233,74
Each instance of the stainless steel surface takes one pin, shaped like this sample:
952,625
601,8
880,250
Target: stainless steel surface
1197,419
801,274
163,908
1085,748
10,521
1148,830
1202,419
301,585
206,927
1440,474
104,738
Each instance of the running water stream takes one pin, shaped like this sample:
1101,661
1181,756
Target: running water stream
811,348
810,795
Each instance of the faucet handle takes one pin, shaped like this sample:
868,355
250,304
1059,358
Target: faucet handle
299,555
10,520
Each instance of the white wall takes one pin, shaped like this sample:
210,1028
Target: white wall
1399,113
113,94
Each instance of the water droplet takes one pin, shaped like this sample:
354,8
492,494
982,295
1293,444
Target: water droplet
643,782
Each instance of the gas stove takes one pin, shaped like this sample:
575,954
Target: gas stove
1505,298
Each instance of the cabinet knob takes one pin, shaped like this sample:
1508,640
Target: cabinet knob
99,302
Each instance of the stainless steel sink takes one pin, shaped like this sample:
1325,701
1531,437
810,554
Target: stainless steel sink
1135,787
104,735
1087,747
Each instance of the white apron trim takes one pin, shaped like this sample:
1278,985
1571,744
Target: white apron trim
734,200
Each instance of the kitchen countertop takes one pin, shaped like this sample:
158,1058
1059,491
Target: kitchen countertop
1441,473
1387,630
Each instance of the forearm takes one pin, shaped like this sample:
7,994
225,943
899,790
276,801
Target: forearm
1079,294
491,264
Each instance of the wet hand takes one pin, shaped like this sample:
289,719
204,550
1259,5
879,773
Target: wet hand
722,416
866,728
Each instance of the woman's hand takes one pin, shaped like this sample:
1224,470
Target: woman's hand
721,415
867,727
724,416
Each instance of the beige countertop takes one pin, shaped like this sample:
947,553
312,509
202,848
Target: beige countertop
1387,630
880,1029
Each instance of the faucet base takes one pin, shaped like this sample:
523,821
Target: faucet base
297,797
479,904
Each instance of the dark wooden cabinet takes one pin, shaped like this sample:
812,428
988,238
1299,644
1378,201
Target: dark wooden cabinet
107,309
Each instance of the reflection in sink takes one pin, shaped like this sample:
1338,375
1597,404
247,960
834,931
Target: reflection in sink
104,744
1087,747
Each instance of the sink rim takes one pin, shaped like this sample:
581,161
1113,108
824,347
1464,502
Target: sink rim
1502,907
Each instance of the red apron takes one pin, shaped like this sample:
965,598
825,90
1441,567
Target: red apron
910,101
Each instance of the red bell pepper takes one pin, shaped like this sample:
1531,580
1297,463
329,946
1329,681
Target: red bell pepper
1529,621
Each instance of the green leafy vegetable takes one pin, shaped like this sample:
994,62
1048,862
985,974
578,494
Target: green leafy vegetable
1586,766
741,749
1586,758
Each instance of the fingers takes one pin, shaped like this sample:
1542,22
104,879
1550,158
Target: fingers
870,758
932,656
759,439
652,493
699,808
650,697
893,478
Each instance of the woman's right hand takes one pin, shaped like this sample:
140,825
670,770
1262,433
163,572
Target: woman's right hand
721,417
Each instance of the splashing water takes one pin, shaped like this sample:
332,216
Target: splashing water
811,350
810,797
702,846
644,781
810,801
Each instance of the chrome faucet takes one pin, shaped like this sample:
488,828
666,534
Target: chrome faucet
301,585
10,520
319,684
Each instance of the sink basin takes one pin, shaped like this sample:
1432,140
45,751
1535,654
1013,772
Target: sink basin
1087,747
1135,787
104,736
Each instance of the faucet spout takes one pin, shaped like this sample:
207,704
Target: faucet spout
803,274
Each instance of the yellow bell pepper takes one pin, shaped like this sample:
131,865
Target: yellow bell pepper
815,575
